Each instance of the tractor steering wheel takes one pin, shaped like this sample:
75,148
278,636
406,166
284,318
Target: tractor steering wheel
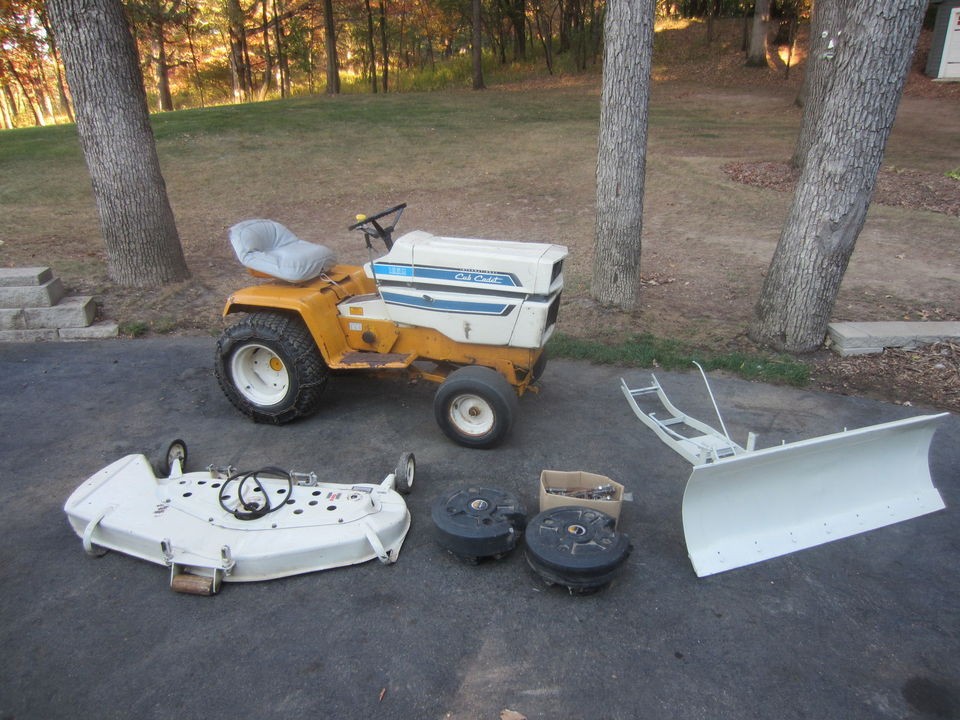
370,226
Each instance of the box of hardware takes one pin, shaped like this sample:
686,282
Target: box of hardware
598,492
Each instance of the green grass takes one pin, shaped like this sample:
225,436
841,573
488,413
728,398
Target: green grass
52,143
648,351
134,328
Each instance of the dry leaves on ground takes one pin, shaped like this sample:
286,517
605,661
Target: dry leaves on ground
928,375
913,189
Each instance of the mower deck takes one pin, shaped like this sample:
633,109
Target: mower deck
179,522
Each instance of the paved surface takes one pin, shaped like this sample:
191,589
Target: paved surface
868,627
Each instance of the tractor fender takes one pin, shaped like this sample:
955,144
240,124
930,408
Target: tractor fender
316,308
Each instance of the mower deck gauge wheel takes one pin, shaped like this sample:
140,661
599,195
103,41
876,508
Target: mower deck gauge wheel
404,474
576,547
475,522
176,451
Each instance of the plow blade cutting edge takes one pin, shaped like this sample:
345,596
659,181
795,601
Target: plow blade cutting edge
742,506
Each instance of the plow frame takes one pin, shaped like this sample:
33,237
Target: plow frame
742,505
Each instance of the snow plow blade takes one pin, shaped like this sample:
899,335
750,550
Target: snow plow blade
742,506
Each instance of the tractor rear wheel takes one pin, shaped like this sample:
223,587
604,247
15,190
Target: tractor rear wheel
269,367
475,406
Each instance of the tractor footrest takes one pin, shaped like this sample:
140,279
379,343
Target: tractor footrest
374,360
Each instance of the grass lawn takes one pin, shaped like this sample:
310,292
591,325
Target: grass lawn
516,161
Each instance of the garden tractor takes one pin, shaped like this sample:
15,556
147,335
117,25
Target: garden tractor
472,315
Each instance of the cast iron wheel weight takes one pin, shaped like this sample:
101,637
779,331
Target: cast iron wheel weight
576,547
475,523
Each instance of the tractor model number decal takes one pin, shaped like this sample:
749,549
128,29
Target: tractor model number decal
399,270
474,277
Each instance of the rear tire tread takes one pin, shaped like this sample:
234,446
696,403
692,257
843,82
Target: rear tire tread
308,371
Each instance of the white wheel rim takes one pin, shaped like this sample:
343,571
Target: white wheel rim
472,415
411,469
259,374
176,452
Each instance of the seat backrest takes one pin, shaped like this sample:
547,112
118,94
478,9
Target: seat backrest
259,236
268,247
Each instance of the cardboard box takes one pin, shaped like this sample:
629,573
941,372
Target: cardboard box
579,480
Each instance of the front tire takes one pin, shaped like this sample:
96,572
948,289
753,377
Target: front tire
269,367
475,407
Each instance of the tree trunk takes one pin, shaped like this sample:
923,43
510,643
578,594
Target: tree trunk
838,178
371,48
6,114
28,97
161,66
826,30
712,21
279,38
118,144
65,104
267,56
544,29
517,12
385,55
330,43
239,57
477,49
622,150
597,19
196,64
757,54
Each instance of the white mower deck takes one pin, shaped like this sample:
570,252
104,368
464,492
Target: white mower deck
178,521
742,505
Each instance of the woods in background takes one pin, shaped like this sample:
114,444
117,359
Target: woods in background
195,53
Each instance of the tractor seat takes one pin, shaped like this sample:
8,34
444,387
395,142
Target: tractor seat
267,247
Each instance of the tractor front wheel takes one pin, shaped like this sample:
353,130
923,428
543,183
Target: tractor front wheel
269,367
475,406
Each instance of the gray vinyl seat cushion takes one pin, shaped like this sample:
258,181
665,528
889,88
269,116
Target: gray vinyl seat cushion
268,247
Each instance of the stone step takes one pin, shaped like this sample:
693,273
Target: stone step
865,338
71,312
46,294
34,307
29,335
17,277
97,331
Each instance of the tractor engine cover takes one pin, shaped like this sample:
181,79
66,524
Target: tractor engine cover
478,522
576,547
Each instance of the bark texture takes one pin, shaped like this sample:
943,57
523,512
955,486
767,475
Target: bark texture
836,184
826,30
138,227
622,151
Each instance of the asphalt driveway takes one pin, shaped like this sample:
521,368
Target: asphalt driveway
867,627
